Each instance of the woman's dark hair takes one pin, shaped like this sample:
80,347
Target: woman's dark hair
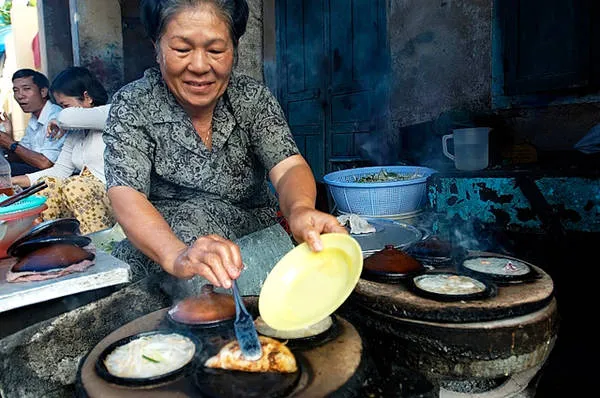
156,14
75,81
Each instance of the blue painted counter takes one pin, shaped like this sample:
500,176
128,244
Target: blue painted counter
496,197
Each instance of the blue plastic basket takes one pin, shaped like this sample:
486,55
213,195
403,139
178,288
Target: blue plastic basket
378,199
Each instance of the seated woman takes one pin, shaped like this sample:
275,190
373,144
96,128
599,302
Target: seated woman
82,195
189,147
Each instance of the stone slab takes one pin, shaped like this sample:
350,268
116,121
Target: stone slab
107,271
42,360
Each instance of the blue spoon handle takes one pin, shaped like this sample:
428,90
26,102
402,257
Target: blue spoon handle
245,332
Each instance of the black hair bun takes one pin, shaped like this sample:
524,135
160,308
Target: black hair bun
150,17
240,18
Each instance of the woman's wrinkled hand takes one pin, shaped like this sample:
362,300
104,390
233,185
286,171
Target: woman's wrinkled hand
307,225
215,258
53,131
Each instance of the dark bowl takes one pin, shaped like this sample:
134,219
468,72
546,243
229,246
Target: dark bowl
103,372
234,384
436,252
22,248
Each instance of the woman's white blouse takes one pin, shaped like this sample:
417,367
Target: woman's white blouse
84,148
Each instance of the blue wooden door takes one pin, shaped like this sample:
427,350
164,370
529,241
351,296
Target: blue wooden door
332,68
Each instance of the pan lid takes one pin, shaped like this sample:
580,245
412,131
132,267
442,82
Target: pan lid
389,265
208,307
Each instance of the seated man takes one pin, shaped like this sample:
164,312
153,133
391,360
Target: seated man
35,151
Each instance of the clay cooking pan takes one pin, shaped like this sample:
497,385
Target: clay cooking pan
390,265
207,310
187,369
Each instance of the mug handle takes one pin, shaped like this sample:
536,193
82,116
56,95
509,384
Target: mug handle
445,139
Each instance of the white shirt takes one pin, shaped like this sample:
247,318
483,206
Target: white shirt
35,134
82,149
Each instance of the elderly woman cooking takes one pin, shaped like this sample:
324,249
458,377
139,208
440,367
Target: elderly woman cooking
189,147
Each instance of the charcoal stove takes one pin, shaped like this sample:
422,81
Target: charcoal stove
461,343
333,368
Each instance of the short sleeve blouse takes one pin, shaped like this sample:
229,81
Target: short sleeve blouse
152,146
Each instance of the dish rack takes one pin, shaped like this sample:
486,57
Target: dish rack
379,199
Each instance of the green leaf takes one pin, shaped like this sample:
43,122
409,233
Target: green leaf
150,359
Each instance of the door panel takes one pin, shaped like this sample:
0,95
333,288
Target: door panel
331,55
303,38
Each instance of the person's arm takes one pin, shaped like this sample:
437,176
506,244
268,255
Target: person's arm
128,165
35,159
295,185
289,173
63,168
83,118
217,259
145,226
77,119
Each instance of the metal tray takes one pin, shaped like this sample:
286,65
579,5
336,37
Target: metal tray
387,232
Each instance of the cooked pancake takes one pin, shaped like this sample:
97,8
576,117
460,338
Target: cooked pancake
276,357
150,356
497,266
309,331
449,284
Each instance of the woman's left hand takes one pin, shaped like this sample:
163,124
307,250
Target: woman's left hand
307,224
53,131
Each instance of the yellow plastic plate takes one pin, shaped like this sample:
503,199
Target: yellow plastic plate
304,287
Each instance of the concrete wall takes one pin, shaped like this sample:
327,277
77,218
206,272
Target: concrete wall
101,40
19,54
441,52
55,36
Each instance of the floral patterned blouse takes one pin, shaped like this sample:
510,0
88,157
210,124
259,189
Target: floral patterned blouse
152,147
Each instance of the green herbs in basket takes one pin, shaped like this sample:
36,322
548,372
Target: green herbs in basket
386,176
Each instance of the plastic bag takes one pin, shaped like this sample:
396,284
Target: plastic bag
590,143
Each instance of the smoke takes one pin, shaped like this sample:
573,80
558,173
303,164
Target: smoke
378,148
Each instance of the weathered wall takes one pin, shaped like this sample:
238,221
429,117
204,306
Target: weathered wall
441,52
101,40
56,45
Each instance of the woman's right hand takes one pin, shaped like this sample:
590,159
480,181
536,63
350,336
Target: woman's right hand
53,131
217,259
5,123
22,181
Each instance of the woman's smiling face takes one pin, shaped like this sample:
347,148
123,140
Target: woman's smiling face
196,55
